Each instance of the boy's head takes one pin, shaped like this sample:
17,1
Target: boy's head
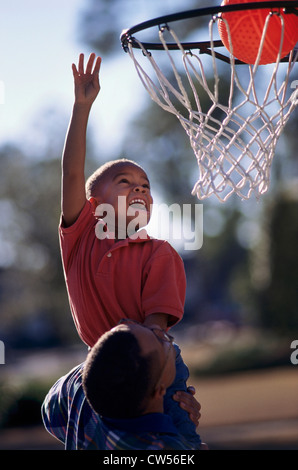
124,185
128,371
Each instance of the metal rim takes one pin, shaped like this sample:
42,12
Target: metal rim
204,47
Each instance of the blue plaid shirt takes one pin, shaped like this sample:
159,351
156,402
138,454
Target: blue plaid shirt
68,416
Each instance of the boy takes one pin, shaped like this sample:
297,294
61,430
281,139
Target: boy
115,272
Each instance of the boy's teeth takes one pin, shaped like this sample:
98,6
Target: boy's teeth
138,203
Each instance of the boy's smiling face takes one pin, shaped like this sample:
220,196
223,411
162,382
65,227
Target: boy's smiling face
129,183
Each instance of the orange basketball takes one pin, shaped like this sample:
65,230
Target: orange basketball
246,28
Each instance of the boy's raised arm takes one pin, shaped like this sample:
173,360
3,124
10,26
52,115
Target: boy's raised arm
73,195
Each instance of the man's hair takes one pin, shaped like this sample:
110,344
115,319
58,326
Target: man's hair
102,172
117,379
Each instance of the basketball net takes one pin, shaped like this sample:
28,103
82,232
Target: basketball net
234,152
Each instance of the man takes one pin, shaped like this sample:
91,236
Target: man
125,392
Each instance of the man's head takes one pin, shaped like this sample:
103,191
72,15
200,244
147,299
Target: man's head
126,180
128,371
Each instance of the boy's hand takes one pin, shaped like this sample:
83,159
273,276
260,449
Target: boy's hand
86,82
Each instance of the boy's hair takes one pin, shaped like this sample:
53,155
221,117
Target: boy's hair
117,379
102,171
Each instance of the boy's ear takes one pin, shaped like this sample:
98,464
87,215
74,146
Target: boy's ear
94,202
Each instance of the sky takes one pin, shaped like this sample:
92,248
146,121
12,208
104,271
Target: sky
39,42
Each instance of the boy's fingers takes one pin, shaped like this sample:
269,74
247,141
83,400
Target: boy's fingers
74,70
90,63
89,66
97,65
81,64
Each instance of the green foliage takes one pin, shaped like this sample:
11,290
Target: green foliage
232,358
278,298
31,268
116,15
33,299
20,405
226,349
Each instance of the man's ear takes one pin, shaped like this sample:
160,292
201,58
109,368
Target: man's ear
159,392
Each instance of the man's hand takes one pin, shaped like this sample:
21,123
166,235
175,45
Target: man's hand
189,403
86,83
192,406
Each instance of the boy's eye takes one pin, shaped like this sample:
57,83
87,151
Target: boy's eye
126,181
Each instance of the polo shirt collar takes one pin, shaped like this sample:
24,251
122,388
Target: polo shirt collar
153,422
140,236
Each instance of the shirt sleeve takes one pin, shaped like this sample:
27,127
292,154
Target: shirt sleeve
70,236
164,284
54,410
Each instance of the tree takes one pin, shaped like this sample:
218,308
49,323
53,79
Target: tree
277,297
102,22
33,299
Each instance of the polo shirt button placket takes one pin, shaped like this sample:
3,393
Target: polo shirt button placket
109,255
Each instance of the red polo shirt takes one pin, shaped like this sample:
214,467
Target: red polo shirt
108,280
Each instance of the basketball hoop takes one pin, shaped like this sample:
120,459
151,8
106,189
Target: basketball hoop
234,140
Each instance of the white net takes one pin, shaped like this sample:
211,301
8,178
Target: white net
234,143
